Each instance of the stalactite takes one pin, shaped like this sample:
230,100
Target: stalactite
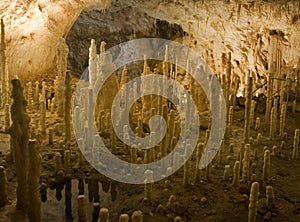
19,132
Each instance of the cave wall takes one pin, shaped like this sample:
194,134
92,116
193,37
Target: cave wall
34,27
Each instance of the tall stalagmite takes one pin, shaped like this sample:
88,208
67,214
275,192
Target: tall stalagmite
19,132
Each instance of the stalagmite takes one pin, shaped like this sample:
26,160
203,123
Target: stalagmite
246,163
43,116
67,108
198,158
267,165
68,198
34,171
236,174
67,162
19,132
104,215
230,120
3,191
248,110
137,216
58,162
282,120
252,112
29,95
226,172
296,144
270,197
50,136
6,117
271,125
96,211
124,218
254,193
3,72
81,209
61,61
148,184
257,123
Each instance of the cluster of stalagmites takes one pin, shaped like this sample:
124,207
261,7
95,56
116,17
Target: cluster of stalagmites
25,152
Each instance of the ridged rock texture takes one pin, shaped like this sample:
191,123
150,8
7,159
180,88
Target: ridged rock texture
34,27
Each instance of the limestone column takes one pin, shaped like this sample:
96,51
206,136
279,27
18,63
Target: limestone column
82,208
61,62
19,132
33,185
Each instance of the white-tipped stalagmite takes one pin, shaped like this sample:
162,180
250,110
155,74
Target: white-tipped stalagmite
266,165
270,197
257,123
3,188
92,62
236,174
61,62
137,216
253,199
248,110
296,144
81,208
226,172
33,185
19,132
104,215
